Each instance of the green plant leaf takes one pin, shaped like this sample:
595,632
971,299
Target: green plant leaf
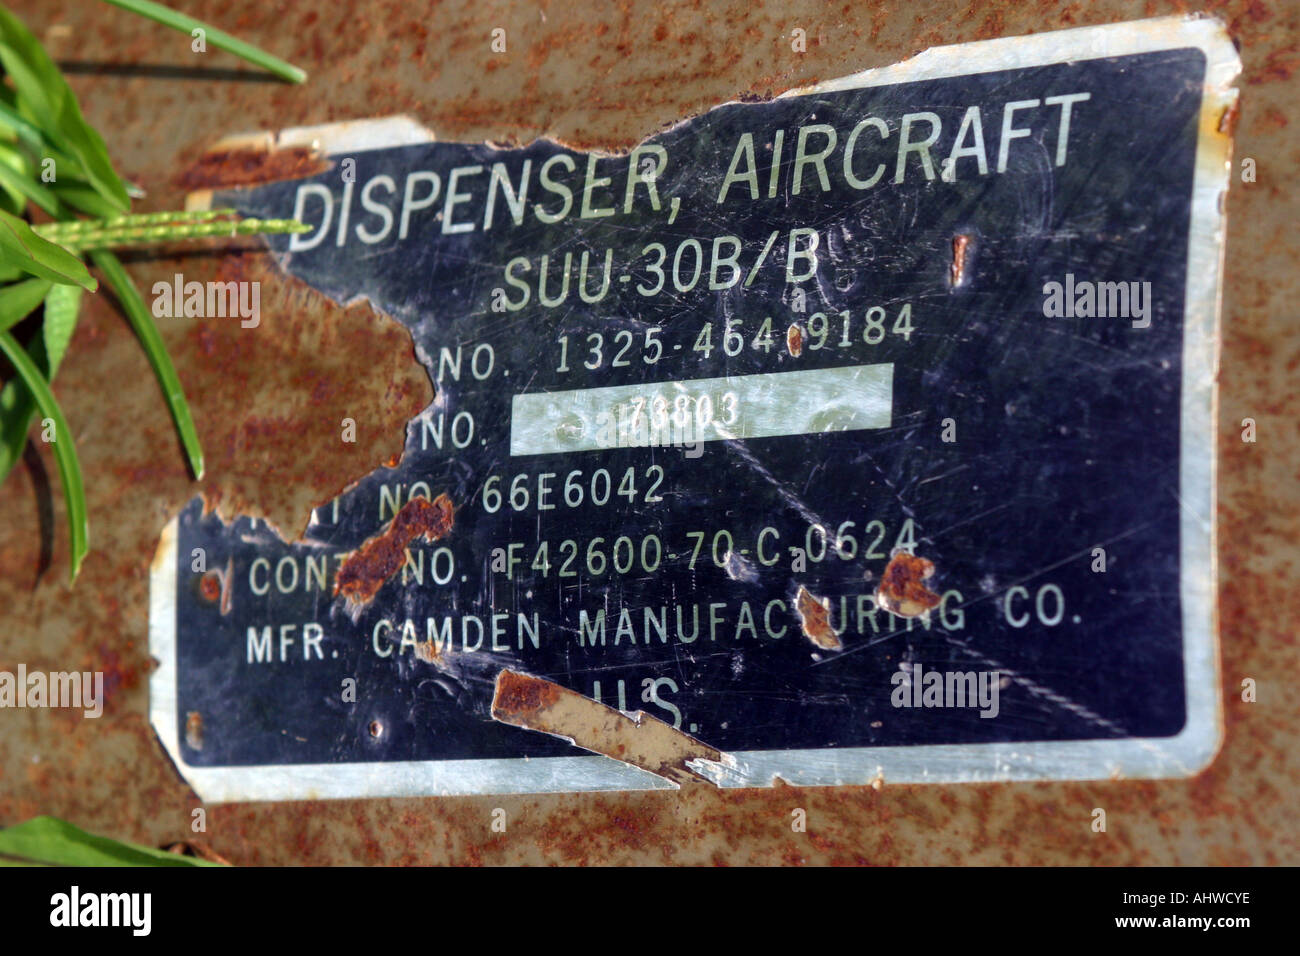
17,407
138,315
18,410
26,130
15,163
29,187
19,299
16,413
52,106
65,449
62,303
29,133
84,198
218,38
21,247
55,842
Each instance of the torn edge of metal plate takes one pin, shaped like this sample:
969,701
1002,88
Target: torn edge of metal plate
1179,756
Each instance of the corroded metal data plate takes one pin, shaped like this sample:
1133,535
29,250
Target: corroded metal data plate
701,411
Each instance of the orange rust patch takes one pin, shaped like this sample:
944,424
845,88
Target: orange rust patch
902,590
246,167
816,619
521,695
210,586
194,730
960,243
201,850
427,651
366,569
794,340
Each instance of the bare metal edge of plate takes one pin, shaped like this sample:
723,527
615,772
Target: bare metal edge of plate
1179,756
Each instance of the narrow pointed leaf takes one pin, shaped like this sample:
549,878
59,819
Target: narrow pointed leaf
17,407
62,303
218,38
19,299
13,164
56,842
18,410
65,449
37,193
21,247
27,131
85,199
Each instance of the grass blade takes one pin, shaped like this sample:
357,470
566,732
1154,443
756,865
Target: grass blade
16,163
17,407
21,247
56,842
52,106
85,199
218,38
26,130
62,303
18,410
138,315
65,449
19,300
30,188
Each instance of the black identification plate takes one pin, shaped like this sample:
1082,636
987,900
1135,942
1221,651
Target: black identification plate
861,434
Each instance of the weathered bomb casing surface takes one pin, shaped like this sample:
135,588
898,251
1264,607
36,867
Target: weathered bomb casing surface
635,73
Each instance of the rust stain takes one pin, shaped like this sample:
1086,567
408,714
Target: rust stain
427,651
308,344
960,244
520,695
794,339
902,588
1277,66
210,586
365,570
815,616
1228,120
638,739
214,586
194,730
200,850
224,168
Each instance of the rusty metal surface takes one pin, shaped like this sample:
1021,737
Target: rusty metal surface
268,403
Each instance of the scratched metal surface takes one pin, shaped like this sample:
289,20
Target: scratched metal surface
268,404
